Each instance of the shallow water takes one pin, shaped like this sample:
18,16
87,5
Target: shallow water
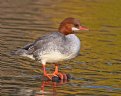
96,72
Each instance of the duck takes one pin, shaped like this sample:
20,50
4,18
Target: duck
55,47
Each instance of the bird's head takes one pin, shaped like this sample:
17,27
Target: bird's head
70,25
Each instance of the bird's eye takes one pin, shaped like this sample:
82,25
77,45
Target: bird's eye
76,25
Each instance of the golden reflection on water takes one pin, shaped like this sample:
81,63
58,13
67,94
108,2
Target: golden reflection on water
97,71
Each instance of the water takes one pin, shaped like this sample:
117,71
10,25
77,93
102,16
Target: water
96,72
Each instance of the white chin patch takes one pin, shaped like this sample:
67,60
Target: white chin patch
74,29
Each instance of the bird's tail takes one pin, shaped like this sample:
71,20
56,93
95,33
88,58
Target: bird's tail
23,51
19,52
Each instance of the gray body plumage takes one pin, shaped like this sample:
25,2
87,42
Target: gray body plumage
52,48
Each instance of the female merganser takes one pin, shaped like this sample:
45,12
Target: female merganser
56,46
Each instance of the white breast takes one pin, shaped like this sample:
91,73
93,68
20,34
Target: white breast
75,42
74,46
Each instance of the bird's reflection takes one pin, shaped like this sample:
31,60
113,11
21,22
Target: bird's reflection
52,85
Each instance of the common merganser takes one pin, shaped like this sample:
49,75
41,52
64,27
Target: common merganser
55,47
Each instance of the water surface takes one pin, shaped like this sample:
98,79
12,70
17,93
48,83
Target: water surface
96,72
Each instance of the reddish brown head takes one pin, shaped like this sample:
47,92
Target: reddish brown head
69,25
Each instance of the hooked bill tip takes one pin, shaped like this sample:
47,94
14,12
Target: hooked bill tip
83,28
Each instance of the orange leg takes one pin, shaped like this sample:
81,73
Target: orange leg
62,76
45,73
56,69
55,73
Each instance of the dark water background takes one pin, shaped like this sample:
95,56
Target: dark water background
96,72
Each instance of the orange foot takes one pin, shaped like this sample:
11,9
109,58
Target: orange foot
61,76
56,74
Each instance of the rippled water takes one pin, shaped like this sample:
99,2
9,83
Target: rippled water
96,72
